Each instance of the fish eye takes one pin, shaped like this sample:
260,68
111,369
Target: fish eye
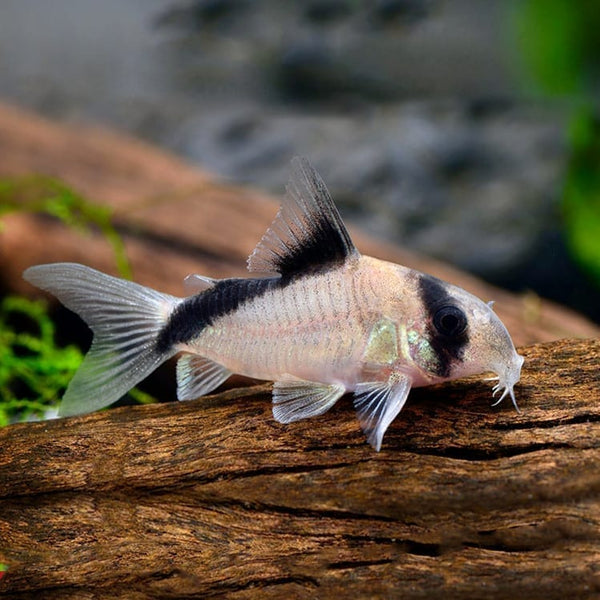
450,321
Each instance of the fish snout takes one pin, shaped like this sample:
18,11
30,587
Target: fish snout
508,377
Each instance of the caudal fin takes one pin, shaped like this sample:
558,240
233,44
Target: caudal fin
126,319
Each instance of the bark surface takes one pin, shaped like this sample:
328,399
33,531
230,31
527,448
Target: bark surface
213,498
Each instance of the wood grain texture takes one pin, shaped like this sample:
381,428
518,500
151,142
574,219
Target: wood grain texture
213,498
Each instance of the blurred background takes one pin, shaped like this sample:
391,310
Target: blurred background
466,129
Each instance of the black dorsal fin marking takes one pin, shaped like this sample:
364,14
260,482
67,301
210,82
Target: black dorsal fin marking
308,233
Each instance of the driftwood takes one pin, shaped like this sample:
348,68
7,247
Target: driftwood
213,498
176,220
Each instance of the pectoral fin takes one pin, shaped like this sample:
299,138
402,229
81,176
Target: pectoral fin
197,376
299,399
378,404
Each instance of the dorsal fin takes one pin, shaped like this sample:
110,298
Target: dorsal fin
308,233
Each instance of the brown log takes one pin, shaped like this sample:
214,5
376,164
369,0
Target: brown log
212,498
176,220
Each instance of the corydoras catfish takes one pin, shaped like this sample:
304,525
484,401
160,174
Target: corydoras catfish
321,320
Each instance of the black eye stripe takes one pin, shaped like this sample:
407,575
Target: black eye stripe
447,342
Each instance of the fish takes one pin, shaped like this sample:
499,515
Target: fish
316,317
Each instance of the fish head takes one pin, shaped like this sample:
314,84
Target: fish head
464,336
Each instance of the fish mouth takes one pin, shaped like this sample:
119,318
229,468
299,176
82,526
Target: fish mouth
507,379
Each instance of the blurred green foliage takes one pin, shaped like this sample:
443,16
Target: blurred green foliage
581,192
560,43
45,195
34,371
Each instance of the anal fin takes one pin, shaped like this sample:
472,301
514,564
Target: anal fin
378,404
197,376
300,399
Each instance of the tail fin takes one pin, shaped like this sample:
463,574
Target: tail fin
126,319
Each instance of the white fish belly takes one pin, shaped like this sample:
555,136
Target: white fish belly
310,329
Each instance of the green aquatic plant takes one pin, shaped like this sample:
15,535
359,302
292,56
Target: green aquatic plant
34,372
46,195
581,193
560,45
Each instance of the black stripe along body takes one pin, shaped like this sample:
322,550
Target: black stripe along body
197,312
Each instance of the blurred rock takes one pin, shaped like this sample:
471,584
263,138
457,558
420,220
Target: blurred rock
327,11
404,11
408,108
